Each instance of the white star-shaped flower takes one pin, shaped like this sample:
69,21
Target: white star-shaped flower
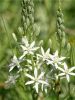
28,48
36,79
66,72
11,79
55,60
44,55
15,62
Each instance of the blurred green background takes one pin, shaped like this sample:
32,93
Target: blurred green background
45,17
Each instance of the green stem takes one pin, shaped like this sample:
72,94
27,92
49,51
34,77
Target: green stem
34,96
69,89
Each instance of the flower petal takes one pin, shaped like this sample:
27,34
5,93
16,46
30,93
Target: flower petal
11,68
56,53
61,58
61,74
29,76
40,76
43,82
73,74
48,50
68,77
29,82
32,44
65,66
71,69
60,69
42,51
25,41
36,87
35,72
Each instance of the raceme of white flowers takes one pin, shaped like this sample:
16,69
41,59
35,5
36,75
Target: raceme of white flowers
35,64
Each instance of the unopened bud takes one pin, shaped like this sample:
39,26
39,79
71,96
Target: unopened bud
63,41
50,43
14,36
41,43
68,46
20,29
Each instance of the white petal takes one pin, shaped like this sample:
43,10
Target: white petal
56,53
43,82
29,82
31,52
42,51
60,69
35,48
56,65
61,74
41,75
14,60
36,87
32,44
35,72
47,52
68,77
71,69
23,55
73,74
11,68
61,58
25,41
52,57
29,76
49,62
23,47
65,66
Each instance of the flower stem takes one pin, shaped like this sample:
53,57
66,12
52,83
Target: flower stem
69,89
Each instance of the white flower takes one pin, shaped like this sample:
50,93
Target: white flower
11,79
28,48
44,55
15,62
66,71
36,79
55,60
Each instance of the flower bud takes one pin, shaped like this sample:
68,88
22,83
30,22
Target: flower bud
41,43
20,29
50,43
68,46
14,36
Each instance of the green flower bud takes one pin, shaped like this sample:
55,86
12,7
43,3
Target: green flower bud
59,20
68,46
20,29
50,43
25,26
62,27
27,21
23,18
41,43
63,42
14,36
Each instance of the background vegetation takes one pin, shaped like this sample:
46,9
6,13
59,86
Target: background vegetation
45,16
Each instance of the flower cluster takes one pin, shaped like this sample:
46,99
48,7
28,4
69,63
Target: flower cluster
35,65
